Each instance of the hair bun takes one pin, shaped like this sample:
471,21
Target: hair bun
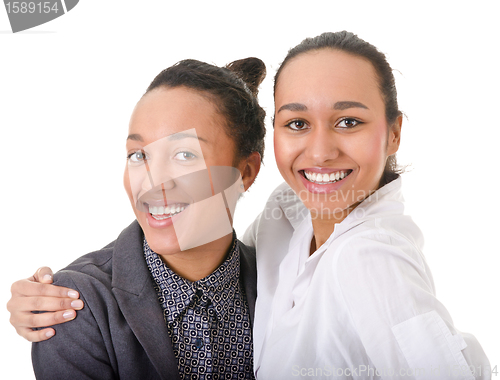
251,70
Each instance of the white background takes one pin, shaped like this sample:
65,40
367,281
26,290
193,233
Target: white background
67,89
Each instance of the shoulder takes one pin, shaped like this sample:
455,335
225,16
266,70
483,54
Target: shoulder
282,213
378,230
97,267
92,267
372,246
383,265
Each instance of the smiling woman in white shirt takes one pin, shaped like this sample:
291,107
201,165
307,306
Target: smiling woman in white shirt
344,290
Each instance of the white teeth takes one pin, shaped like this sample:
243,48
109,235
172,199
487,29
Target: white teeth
164,212
325,178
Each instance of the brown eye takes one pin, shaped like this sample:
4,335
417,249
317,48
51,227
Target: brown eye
296,125
348,123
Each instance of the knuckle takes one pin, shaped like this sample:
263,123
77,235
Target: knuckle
37,303
12,321
32,320
62,304
9,305
42,289
14,287
56,318
22,332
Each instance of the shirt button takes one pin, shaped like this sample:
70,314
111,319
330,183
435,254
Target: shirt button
198,343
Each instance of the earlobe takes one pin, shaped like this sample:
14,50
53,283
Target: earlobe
250,168
394,136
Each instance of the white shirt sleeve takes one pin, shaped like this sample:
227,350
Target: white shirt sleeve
389,294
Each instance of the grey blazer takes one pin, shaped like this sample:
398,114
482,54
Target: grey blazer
120,333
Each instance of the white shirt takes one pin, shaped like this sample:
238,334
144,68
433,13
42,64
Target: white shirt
363,306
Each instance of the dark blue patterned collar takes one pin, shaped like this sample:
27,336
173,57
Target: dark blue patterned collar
178,293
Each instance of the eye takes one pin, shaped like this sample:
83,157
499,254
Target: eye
348,122
136,157
184,156
296,125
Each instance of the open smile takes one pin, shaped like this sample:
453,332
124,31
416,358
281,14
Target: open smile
165,212
325,178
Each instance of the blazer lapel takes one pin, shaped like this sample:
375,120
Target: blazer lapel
248,276
138,301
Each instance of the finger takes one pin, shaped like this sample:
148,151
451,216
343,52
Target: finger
44,275
32,320
24,304
36,336
28,288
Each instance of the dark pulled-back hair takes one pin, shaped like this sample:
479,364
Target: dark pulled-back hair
233,89
352,44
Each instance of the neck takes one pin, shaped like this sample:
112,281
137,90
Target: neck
324,224
197,263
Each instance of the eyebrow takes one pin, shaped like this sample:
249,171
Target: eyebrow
181,135
135,137
342,105
348,104
293,107
173,137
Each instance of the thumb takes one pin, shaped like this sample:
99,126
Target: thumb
44,275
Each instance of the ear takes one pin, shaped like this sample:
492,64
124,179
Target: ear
394,137
249,168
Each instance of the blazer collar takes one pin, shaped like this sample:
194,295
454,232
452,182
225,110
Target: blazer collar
248,276
134,291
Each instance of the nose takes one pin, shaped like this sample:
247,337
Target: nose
157,174
322,145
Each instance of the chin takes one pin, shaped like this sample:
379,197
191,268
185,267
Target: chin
162,241
163,245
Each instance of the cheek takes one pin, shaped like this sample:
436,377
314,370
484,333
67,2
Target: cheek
284,152
131,188
371,149
126,183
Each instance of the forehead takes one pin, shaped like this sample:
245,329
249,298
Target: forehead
165,111
328,73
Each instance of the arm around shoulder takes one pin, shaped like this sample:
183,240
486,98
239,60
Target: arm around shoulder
78,350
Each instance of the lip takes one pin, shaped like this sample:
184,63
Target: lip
324,170
323,188
160,202
164,223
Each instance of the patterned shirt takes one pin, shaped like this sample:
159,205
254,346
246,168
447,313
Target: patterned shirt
208,320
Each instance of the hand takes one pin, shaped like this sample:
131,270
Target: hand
37,294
